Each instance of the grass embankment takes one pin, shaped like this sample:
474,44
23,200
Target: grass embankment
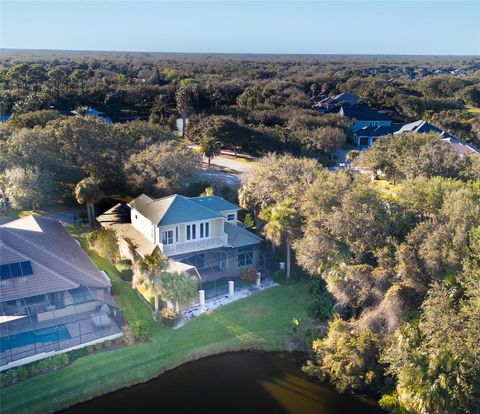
262,321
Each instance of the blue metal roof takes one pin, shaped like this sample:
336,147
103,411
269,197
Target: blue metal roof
215,203
182,210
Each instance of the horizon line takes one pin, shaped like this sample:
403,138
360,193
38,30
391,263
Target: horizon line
235,53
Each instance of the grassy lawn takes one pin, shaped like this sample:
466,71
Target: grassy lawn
261,321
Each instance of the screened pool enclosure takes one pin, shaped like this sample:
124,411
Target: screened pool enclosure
52,322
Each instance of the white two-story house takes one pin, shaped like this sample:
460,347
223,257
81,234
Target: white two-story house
202,232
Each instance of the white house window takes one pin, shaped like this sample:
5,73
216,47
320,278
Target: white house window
202,232
176,234
191,231
245,257
167,237
230,217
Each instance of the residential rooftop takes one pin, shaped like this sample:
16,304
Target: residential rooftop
176,209
57,260
363,113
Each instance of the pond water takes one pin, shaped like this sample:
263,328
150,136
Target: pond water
240,382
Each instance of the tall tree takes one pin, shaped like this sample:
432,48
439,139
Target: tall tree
28,187
147,276
210,146
88,192
186,92
283,224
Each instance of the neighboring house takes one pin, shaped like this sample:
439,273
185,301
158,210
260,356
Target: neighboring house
362,116
366,136
423,127
52,297
201,232
331,102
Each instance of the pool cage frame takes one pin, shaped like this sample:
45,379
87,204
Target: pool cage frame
41,325
218,285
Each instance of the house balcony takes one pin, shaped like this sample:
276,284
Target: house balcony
194,245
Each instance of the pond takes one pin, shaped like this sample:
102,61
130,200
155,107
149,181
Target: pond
240,382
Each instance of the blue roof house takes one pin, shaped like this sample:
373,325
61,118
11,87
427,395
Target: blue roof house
201,235
364,117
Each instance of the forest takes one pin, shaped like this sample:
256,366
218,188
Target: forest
396,250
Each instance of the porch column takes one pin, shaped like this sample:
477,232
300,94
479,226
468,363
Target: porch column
201,297
231,288
259,279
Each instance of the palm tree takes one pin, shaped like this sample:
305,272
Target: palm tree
283,224
159,108
210,147
147,275
186,91
88,192
178,288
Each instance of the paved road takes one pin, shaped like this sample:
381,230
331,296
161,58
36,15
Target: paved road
214,175
241,167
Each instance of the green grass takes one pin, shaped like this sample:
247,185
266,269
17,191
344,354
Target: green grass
261,321
474,110
244,160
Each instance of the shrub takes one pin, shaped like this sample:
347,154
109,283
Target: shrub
169,317
91,237
89,348
118,341
22,373
140,329
322,305
278,276
98,346
389,402
77,353
249,275
108,343
249,223
106,244
8,377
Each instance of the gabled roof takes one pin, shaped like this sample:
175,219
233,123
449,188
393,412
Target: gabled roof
215,203
170,210
240,237
363,113
341,97
58,262
461,147
377,131
422,126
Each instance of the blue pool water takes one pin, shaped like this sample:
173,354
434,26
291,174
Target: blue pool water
39,336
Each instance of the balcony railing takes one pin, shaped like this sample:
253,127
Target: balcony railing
194,245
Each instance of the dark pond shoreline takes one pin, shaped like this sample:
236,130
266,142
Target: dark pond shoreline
233,382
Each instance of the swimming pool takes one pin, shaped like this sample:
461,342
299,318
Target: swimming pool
34,337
